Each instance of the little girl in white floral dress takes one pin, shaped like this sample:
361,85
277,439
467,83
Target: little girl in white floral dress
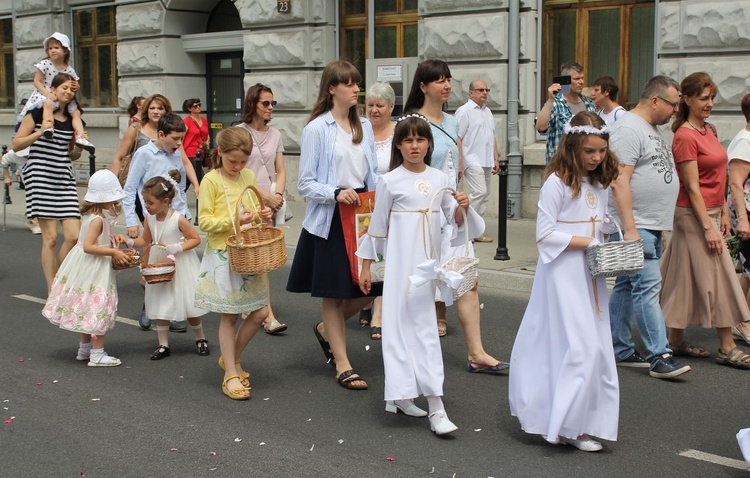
83,297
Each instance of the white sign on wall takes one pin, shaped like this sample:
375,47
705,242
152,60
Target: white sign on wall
389,73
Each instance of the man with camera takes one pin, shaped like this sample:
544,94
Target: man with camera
565,99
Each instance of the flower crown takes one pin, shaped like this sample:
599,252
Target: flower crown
586,129
412,115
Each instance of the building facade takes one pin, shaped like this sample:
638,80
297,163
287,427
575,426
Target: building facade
216,49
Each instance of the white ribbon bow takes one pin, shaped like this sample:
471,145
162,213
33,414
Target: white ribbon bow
448,281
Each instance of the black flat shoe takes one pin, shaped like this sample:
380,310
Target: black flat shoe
202,345
161,352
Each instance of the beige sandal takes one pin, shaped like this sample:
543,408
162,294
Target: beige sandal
274,327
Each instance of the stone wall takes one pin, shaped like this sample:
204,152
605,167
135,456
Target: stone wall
713,37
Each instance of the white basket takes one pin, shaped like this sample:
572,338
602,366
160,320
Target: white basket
464,265
616,258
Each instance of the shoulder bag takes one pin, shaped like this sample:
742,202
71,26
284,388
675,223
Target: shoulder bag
122,174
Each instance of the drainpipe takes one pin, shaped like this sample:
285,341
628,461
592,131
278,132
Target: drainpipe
515,160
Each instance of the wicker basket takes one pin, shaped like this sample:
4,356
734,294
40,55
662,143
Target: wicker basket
156,272
616,258
464,265
133,260
255,249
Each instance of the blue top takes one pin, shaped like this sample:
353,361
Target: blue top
148,162
317,170
444,144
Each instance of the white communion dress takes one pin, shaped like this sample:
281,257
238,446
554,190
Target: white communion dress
563,380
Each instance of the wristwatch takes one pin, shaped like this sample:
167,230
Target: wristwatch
336,194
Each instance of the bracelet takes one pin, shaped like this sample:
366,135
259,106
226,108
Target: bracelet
280,194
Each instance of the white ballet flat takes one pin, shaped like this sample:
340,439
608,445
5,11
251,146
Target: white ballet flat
412,410
440,424
583,445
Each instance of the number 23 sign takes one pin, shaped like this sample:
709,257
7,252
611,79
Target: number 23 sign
284,6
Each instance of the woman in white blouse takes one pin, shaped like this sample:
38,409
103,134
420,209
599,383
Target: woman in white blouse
337,161
380,100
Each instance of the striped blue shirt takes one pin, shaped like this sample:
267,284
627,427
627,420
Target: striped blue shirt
317,171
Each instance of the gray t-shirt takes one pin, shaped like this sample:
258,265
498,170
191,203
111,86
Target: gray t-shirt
654,182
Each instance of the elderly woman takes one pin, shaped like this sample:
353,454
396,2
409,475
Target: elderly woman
379,100
48,175
699,285
739,185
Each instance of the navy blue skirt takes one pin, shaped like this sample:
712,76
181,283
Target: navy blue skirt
321,266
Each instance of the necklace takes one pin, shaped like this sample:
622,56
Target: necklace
703,133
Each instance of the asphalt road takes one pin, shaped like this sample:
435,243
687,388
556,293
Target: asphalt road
169,418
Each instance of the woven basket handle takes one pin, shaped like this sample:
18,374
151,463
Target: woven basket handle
144,254
617,225
429,220
236,222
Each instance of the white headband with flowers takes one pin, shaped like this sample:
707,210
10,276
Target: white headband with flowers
586,129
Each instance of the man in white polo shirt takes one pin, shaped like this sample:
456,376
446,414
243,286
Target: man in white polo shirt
476,128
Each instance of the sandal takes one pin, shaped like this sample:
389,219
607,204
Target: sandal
734,358
442,328
274,327
161,352
245,378
346,379
202,345
687,350
324,345
376,333
235,393
365,316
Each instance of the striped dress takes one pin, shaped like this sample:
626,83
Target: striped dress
48,174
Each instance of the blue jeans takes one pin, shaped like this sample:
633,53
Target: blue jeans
638,294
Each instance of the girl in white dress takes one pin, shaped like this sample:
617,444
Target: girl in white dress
172,237
401,231
563,380
83,297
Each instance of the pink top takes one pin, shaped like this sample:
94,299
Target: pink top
690,145
194,136
262,160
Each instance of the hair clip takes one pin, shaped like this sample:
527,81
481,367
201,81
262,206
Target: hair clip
171,181
166,189
412,115
586,129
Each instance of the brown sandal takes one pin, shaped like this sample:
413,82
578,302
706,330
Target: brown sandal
687,350
347,378
734,358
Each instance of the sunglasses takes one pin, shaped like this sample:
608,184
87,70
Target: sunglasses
196,105
267,103
481,90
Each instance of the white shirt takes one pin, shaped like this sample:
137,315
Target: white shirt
351,165
476,128
739,148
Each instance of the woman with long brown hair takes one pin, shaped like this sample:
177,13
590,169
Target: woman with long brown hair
699,284
337,161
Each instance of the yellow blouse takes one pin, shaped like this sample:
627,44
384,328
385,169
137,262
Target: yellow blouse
214,218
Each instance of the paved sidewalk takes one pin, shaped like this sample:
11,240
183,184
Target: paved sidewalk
516,274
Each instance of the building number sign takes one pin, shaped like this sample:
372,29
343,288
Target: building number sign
284,6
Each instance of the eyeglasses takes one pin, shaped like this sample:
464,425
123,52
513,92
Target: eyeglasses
267,103
481,90
673,104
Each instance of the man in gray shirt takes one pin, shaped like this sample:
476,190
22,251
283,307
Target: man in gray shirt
642,200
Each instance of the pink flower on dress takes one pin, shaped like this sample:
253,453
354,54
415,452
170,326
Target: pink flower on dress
89,323
80,305
57,288
68,320
97,300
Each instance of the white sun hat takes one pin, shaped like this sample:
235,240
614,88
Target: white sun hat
104,187
61,37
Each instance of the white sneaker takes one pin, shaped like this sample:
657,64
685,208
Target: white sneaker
34,226
440,424
85,144
585,444
103,360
